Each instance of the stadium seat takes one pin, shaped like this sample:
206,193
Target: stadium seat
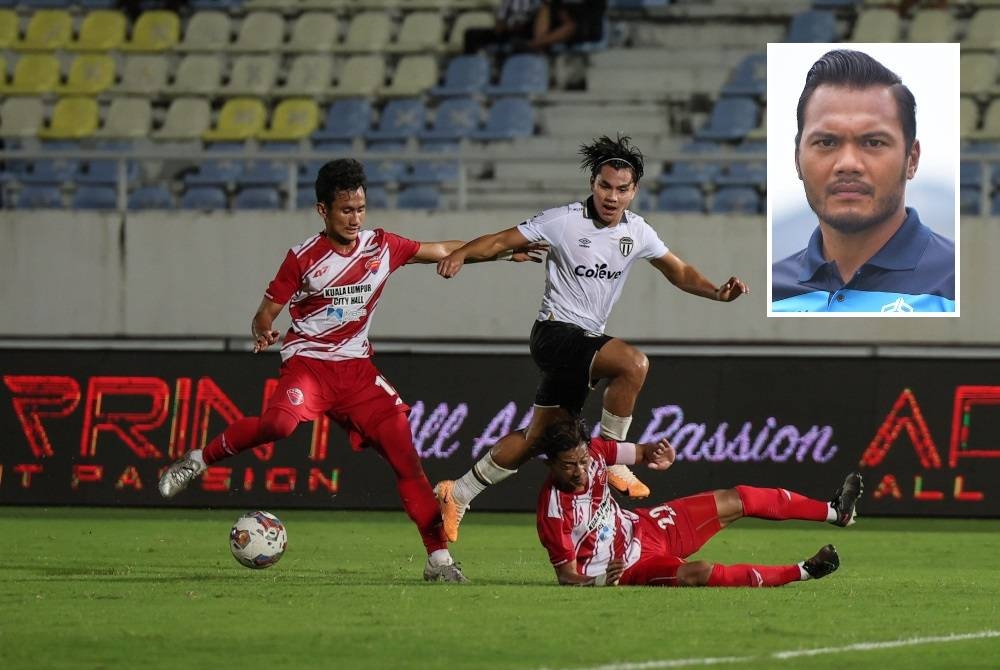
89,74
385,171
72,118
252,75
400,119
101,30
969,197
692,173
749,77
305,198
432,172
877,25
49,171
262,173
522,74
420,32
464,22
203,197
292,119
155,30
680,199
127,117
991,123
507,119
223,173
39,197
186,119
376,197
813,25
732,118
932,25
345,120
418,197
206,31
465,75
260,31
9,28
95,197
368,31
360,76
33,74
744,174
978,73
971,174
259,197
736,200
454,119
105,172
199,74
969,117
309,75
982,32
21,117
143,74
313,32
48,30
151,197
414,75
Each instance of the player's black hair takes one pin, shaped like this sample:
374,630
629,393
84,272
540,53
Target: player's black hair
562,436
855,69
342,174
619,153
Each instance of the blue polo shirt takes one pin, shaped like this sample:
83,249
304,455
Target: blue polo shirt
913,272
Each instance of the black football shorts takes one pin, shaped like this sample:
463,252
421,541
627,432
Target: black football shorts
563,353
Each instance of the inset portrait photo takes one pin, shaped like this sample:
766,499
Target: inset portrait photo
863,155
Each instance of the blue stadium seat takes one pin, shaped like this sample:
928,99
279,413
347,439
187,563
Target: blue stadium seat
258,197
813,25
522,74
432,172
95,197
454,119
345,120
731,119
749,77
263,173
971,174
388,170
744,174
686,172
418,197
969,200
50,171
203,197
995,204
736,200
377,197
401,119
465,75
680,199
39,196
214,173
105,172
508,118
151,197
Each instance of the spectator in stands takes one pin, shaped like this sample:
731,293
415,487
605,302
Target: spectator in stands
855,149
515,24
568,22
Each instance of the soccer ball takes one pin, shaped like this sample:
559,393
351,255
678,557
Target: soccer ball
258,540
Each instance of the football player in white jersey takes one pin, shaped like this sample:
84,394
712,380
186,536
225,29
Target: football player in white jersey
592,247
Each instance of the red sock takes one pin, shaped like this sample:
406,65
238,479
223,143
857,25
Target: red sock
780,504
249,432
394,442
753,575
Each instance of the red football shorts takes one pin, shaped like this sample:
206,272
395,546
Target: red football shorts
352,392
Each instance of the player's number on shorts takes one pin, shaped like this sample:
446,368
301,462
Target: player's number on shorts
664,515
387,387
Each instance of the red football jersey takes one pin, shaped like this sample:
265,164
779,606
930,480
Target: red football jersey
331,296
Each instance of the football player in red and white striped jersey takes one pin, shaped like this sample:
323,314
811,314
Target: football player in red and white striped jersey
592,541
332,283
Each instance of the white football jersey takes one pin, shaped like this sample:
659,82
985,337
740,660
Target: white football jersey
588,263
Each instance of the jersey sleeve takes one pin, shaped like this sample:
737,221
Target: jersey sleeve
553,529
607,449
652,245
544,226
401,249
286,282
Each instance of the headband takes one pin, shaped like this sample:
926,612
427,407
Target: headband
616,159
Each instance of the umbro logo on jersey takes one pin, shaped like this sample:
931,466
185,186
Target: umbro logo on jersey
584,242
625,245
373,264
898,305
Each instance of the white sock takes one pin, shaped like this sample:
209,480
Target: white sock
440,557
803,575
484,473
614,427
831,514
195,455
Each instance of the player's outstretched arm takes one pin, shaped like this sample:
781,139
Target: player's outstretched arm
433,252
484,248
568,576
657,456
262,325
687,278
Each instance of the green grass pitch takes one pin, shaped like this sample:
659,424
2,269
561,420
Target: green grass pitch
110,588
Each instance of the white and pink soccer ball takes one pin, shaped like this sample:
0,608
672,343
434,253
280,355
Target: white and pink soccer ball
258,540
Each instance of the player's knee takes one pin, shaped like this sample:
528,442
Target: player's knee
729,505
637,366
695,573
277,424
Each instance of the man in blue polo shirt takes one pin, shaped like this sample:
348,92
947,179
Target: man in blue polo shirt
855,150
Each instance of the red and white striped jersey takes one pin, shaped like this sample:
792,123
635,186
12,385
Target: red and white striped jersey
590,526
331,296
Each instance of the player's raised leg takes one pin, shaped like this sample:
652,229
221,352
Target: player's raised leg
781,504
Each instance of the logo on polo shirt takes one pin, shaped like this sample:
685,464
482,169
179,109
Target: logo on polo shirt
625,245
898,305
584,242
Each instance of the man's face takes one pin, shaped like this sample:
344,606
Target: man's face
852,157
613,192
569,469
345,216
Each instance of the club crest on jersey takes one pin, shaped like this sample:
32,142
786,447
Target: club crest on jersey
295,396
625,245
373,264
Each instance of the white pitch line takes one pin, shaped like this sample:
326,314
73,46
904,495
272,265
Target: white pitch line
796,653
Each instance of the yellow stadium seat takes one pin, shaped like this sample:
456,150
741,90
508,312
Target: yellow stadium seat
155,30
72,118
240,119
293,119
89,74
101,30
34,73
48,30
9,28
21,117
